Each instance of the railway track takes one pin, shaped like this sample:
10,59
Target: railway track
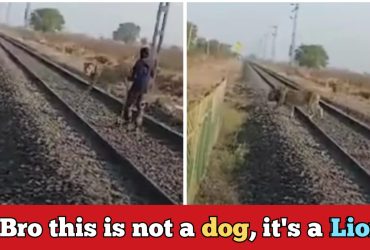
152,125
349,137
153,157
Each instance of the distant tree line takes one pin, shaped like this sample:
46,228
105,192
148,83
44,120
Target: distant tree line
51,20
198,44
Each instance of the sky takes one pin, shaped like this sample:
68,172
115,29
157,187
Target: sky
342,28
100,19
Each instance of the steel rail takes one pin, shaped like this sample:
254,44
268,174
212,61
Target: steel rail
363,172
142,184
153,126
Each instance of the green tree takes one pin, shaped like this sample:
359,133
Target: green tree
312,56
47,20
127,32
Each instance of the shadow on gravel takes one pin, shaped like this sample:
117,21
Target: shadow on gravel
25,175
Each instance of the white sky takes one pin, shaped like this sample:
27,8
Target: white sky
342,28
100,19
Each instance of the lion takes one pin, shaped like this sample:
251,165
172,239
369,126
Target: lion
92,70
296,98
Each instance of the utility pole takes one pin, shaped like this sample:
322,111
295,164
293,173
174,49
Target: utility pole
158,34
265,37
292,45
190,37
27,15
8,8
260,48
274,35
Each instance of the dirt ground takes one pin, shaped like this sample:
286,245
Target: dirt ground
205,73
165,99
353,94
228,153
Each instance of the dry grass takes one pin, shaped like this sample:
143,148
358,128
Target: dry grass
205,72
170,58
338,80
228,155
344,87
72,50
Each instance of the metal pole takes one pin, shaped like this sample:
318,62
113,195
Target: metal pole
8,12
274,35
190,35
27,14
265,45
260,48
207,48
154,39
165,8
292,45
162,14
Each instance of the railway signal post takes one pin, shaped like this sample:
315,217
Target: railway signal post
159,29
292,45
8,9
274,35
27,15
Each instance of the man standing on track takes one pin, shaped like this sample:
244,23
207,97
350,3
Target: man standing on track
142,77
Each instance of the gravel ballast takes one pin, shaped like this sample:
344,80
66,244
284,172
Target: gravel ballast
43,160
287,164
152,156
343,133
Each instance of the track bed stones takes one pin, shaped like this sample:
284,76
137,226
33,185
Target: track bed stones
43,160
347,134
157,160
286,164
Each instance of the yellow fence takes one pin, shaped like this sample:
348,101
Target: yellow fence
204,123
